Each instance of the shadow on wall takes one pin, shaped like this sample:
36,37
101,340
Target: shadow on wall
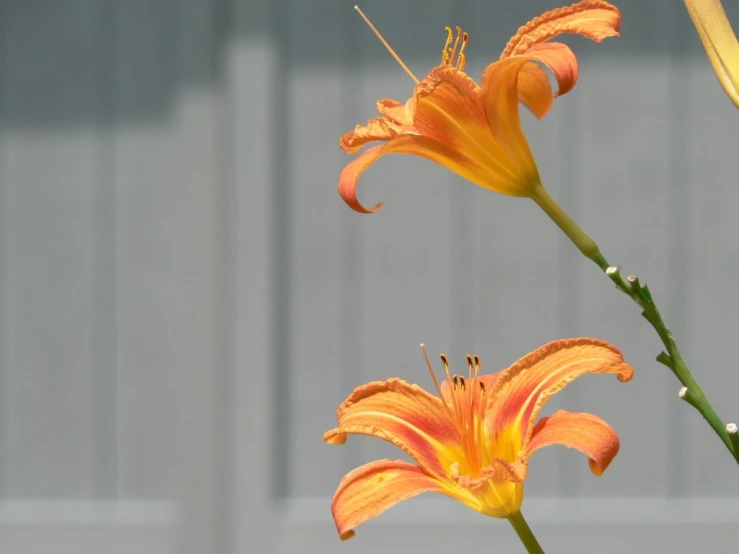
105,61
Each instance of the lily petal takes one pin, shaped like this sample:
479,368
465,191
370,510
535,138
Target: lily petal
534,90
405,415
371,489
449,111
523,388
423,147
500,99
584,432
402,114
594,19
562,62
377,129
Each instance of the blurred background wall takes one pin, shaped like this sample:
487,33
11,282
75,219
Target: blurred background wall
185,300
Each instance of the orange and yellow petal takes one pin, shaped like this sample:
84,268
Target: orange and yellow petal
523,388
377,129
394,111
415,145
562,62
405,415
449,111
534,90
594,19
369,490
584,432
499,95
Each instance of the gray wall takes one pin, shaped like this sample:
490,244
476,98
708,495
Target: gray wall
184,299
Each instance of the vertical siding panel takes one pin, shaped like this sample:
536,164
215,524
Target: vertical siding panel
50,180
104,270
624,159
252,80
197,243
316,229
710,290
4,214
678,296
147,279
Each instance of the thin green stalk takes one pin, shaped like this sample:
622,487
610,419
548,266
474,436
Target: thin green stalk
640,294
525,534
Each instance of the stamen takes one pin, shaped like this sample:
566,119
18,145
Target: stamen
478,366
431,369
389,49
482,388
436,381
455,380
461,57
452,381
469,366
445,362
453,51
444,51
461,382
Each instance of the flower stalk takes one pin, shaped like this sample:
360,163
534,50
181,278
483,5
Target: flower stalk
525,534
641,295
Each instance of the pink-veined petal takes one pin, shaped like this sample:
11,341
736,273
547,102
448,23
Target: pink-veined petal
584,432
405,415
369,490
522,389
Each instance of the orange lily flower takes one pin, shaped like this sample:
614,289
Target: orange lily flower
475,130
474,440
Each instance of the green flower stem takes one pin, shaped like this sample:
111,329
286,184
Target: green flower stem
640,294
525,534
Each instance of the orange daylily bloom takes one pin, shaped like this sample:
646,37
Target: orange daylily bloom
473,441
475,130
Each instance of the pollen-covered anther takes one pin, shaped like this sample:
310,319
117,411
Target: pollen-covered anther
449,55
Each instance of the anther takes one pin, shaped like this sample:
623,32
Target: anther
478,365
461,382
453,51
461,57
455,380
482,387
445,50
469,366
444,361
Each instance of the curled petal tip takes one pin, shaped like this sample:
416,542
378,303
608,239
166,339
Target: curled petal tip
597,468
346,535
350,175
334,436
625,373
